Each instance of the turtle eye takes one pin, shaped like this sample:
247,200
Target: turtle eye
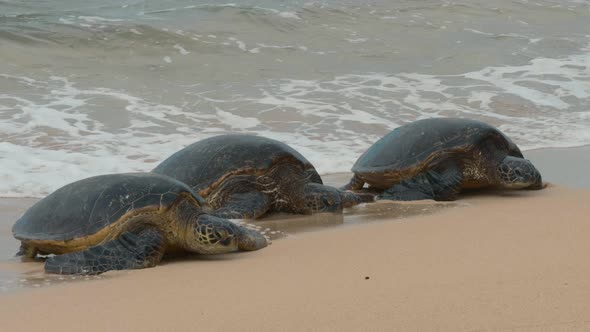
326,201
518,172
226,241
220,234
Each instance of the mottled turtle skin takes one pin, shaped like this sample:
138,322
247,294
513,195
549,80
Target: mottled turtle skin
247,176
437,158
124,221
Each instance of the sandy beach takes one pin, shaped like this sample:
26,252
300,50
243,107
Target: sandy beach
492,261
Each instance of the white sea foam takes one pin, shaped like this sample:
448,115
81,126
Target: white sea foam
67,20
357,40
292,15
241,44
95,19
235,121
181,49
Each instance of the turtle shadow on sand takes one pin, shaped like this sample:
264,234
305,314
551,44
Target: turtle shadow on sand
187,257
285,225
497,192
27,274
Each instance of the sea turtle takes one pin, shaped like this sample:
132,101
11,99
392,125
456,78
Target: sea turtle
124,221
247,176
436,158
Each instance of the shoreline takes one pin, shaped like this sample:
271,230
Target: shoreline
539,155
558,147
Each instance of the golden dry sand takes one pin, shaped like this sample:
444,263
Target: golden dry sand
506,262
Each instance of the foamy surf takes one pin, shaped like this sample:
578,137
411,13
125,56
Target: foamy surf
55,133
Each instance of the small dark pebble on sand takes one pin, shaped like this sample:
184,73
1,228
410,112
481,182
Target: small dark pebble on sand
366,278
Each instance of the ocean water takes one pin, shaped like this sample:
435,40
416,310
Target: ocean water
93,87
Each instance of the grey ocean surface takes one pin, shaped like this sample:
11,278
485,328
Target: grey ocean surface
93,87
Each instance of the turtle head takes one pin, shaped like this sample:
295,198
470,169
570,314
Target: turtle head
519,173
214,235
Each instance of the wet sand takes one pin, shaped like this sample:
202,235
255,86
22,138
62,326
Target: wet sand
566,167
490,261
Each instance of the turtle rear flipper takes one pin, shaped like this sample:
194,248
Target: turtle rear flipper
441,185
27,251
248,205
131,250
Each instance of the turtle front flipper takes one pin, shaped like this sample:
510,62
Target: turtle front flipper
248,205
441,185
131,250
